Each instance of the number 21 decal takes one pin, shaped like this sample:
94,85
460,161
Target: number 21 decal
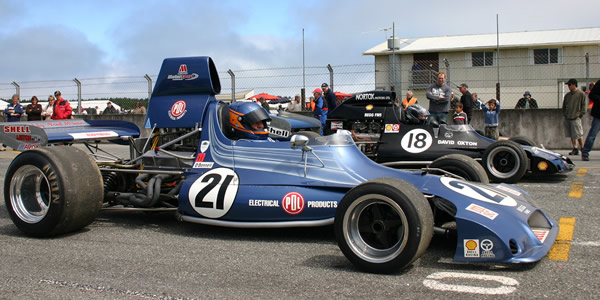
212,194
416,141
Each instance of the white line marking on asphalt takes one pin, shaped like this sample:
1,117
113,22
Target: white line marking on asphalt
433,281
592,244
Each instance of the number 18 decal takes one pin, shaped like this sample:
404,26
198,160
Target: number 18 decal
416,141
212,194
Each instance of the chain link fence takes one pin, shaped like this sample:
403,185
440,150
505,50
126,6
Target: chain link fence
516,75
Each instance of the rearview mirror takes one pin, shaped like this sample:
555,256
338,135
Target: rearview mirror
298,140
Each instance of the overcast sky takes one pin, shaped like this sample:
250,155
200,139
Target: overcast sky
47,40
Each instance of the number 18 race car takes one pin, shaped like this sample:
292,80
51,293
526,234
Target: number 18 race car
193,163
394,137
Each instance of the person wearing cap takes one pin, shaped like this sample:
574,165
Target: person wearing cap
526,102
61,109
439,95
573,109
594,96
467,101
321,108
329,96
110,110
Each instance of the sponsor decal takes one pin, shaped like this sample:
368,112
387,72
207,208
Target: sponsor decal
26,138
204,146
479,192
369,107
523,209
93,135
373,115
541,234
367,96
448,134
293,203
486,248
445,142
263,203
182,74
392,128
416,141
16,129
337,125
178,110
28,147
213,193
279,132
471,248
508,189
490,214
542,166
466,143
321,204
200,163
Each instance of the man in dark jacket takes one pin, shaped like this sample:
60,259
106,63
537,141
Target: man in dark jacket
329,96
591,137
526,101
467,101
110,110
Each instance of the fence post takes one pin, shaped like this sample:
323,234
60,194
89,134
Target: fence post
78,95
330,76
587,69
232,75
149,85
18,88
447,64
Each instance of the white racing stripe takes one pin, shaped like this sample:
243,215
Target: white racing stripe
434,281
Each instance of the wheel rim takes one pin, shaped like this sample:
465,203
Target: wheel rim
30,194
503,162
376,228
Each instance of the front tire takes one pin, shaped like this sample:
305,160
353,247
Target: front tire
505,161
383,225
523,140
461,165
54,190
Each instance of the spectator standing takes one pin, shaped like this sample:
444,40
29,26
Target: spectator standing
492,115
467,101
591,137
14,110
439,95
526,102
264,104
110,110
321,108
573,109
476,102
139,109
459,117
310,105
61,109
34,110
589,90
47,113
295,105
329,96
409,100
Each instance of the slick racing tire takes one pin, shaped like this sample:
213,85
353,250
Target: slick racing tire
523,140
505,161
383,225
53,190
461,165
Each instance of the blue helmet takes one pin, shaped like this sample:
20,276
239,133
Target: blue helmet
241,117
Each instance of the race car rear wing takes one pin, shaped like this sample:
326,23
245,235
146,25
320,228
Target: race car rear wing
33,134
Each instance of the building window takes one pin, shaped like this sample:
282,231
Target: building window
546,56
482,59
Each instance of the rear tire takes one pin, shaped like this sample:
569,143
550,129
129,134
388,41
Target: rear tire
505,161
463,166
383,225
53,190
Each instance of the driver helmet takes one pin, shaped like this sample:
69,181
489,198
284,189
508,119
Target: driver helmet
241,117
416,114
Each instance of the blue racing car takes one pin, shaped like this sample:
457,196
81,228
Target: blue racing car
213,163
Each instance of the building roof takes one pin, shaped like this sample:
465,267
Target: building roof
488,41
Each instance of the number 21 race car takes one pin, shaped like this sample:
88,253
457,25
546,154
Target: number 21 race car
193,162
